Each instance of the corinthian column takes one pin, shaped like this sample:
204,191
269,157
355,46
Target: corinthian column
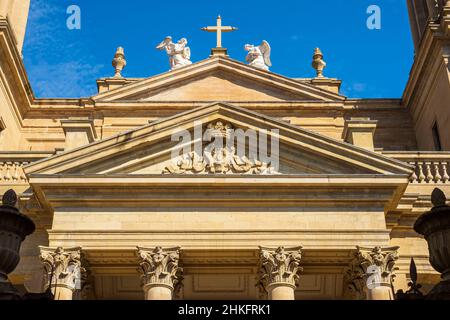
62,271
374,268
161,275
279,270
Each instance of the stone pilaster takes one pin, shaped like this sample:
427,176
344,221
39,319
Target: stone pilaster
161,276
62,271
278,274
371,273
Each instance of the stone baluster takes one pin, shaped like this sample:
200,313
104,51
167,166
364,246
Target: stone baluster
437,173
445,176
62,271
15,175
421,174
2,169
414,178
161,275
7,176
22,172
429,177
376,266
279,270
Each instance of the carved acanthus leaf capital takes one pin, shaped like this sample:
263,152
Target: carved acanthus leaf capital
279,266
377,263
355,281
62,267
159,266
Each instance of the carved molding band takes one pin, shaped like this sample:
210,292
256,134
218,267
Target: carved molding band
279,266
62,267
159,267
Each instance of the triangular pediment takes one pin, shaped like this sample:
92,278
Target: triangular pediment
149,150
218,79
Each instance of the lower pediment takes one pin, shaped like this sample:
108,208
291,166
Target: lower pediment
219,147
219,139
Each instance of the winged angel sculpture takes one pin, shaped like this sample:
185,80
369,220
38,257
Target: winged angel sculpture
179,53
259,56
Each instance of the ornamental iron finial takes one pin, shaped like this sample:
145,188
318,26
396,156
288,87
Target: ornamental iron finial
414,292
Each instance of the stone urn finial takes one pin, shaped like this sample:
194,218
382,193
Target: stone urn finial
318,63
119,62
438,198
14,228
9,198
434,225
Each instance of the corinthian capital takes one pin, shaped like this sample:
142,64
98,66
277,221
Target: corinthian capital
355,281
159,267
279,266
62,267
377,264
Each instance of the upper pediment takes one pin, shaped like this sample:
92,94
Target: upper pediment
218,79
149,150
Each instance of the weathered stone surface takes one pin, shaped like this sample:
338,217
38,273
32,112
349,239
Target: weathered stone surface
100,185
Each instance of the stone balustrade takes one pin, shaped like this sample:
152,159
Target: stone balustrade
430,168
430,172
12,172
12,164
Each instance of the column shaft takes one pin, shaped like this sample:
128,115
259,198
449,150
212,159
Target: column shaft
380,293
62,293
281,292
158,293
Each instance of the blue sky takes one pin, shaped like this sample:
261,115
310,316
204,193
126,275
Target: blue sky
66,63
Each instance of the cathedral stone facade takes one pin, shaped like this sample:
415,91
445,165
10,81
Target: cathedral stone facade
117,218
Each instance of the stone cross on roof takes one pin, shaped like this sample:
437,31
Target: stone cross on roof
219,29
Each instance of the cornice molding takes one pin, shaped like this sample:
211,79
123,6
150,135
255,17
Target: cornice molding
12,61
424,67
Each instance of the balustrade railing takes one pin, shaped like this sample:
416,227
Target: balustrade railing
432,167
12,164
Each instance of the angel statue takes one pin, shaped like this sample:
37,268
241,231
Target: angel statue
259,57
179,54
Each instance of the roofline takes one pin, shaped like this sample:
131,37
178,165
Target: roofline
179,72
